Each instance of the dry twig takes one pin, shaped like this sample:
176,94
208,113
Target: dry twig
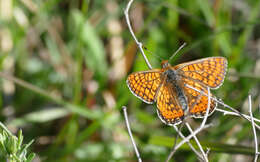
130,134
139,44
183,137
253,126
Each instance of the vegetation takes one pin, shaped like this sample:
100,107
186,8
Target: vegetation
64,65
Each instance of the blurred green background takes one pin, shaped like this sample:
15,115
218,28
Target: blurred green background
64,65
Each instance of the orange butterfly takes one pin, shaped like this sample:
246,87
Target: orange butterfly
168,87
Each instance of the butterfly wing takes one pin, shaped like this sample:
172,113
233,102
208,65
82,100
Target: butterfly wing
169,110
145,84
197,97
208,71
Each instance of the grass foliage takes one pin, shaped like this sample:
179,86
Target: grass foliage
64,65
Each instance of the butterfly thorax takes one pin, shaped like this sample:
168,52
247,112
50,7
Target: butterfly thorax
174,80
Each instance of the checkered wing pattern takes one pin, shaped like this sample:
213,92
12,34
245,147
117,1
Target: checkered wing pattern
169,110
197,97
145,84
209,71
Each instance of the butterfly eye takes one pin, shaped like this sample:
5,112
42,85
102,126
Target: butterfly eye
164,64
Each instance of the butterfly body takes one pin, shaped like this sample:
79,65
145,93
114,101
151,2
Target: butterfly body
170,88
172,77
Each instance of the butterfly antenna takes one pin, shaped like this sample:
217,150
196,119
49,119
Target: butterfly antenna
150,52
176,52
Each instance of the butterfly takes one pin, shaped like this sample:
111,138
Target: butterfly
180,90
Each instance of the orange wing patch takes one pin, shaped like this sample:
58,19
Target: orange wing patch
209,71
144,85
198,99
200,108
169,111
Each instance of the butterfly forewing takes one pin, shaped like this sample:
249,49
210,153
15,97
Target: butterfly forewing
145,84
209,71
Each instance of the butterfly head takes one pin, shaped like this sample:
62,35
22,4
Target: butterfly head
165,64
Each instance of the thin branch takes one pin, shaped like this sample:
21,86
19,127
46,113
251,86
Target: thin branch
139,44
253,126
239,113
192,135
175,141
235,114
130,134
207,111
193,149
236,111
198,143
188,142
